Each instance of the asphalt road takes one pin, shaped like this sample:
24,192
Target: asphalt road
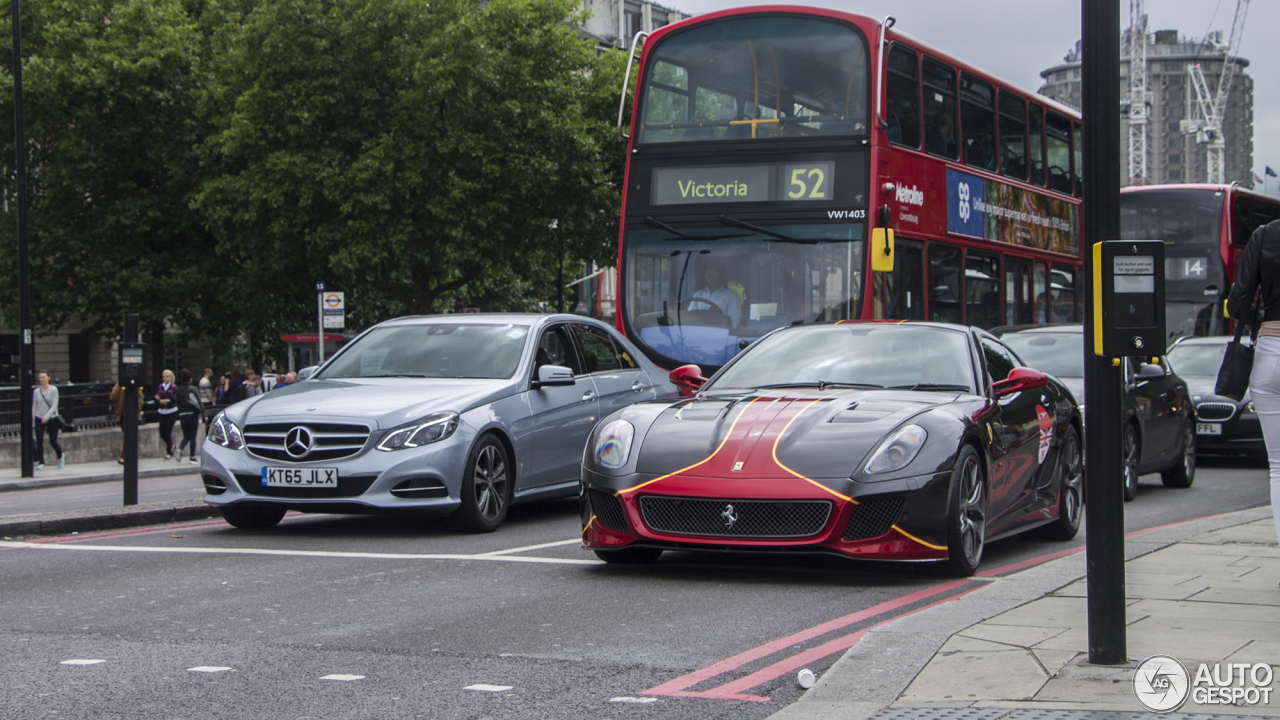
350,617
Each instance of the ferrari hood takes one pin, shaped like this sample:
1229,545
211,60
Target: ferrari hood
778,434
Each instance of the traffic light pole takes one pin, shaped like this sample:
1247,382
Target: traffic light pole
1104,530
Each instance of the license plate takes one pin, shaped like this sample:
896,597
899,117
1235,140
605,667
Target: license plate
1208,428
299,477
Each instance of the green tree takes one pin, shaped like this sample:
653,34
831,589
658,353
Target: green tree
409,153
112,122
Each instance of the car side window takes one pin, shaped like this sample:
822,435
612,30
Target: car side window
554,349
598,350
998,359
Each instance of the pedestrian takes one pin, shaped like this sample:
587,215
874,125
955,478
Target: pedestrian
44,411
206,387
167,398
189,410
289,379
1258,273
117,404
230,382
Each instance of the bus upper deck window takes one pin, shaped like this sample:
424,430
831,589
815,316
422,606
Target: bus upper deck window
939,103
977,122
1077,168
902,111
1013,136
1035,149
1058,147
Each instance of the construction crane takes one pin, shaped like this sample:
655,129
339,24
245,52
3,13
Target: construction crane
1208,111
1139,101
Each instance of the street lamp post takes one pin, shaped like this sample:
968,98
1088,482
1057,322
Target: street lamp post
26,358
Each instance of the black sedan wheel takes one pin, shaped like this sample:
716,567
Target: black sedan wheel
1131,456
966,514
1183,473
252,518
486,488
1070,493
630,556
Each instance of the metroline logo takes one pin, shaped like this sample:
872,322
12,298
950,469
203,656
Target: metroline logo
909,195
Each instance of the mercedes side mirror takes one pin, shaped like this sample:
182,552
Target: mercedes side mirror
553,376
307,372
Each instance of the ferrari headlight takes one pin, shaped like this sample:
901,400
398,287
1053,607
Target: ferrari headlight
432,428
898,451
613,444
225,433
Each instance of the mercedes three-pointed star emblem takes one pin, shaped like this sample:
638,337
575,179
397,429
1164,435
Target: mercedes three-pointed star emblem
298,442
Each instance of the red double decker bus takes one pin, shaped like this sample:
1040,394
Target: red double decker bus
1205,229
769,145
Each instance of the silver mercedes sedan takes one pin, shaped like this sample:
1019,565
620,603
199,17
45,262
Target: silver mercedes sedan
447,415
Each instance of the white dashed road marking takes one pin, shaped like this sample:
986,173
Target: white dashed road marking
342,677
633,700
526,548
207,669
81,662
488,688
312,553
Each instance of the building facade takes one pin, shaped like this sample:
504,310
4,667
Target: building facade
613,23
1172,156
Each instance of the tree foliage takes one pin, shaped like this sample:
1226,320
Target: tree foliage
204,162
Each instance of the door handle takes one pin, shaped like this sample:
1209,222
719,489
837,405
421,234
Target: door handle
637,386
588,396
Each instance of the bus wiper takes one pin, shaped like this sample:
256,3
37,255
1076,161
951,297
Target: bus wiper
775,235
823,385
686,236
932,386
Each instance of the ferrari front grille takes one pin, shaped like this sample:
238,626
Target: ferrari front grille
873,517
1215,411
735,518
608,510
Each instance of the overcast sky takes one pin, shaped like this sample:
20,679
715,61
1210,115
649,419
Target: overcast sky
1016,39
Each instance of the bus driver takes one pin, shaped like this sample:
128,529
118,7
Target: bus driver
717,295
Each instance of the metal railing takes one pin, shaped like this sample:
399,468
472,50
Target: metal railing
87,406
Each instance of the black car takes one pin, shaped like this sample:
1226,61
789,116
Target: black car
913,441
1159,421
1223,425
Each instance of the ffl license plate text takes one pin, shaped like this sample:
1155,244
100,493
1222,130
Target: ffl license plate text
299,477
1208,428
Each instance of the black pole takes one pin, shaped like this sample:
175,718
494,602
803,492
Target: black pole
26,358
560,285
1104,551
129,422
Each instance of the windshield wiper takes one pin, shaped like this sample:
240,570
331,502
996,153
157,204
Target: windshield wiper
932,386
775,235
686,236
823,385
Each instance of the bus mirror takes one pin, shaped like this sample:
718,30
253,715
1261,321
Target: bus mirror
881,250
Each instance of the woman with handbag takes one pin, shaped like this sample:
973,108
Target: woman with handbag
44,410
167,399
1258,274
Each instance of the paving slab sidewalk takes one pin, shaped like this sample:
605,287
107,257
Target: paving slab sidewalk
1202,592
90,472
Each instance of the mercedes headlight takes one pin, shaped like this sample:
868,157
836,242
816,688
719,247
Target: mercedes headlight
225,433
898,451
432,428
613,444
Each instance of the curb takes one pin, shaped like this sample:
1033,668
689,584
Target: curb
36,483
106,518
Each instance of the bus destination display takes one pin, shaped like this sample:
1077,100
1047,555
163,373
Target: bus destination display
775,182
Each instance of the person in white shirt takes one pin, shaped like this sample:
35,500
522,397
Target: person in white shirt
44,410
717,295
167,399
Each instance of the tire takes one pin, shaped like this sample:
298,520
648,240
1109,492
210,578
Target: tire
1183,472
1070,477
966,515
1132,455
630,555
486,488
251,518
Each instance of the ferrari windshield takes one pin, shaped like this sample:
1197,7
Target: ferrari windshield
888,356
439,350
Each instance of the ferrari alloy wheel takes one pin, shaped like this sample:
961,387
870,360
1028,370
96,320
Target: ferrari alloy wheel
486,488
251,518
966,514
1183,473
630,555
1070,492
1131,456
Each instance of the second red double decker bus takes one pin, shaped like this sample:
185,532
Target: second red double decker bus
766,146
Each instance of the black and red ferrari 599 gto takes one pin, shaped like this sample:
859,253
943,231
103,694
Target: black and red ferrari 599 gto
890,441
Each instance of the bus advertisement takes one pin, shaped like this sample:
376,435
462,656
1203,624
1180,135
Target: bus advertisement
1205,229
767,144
